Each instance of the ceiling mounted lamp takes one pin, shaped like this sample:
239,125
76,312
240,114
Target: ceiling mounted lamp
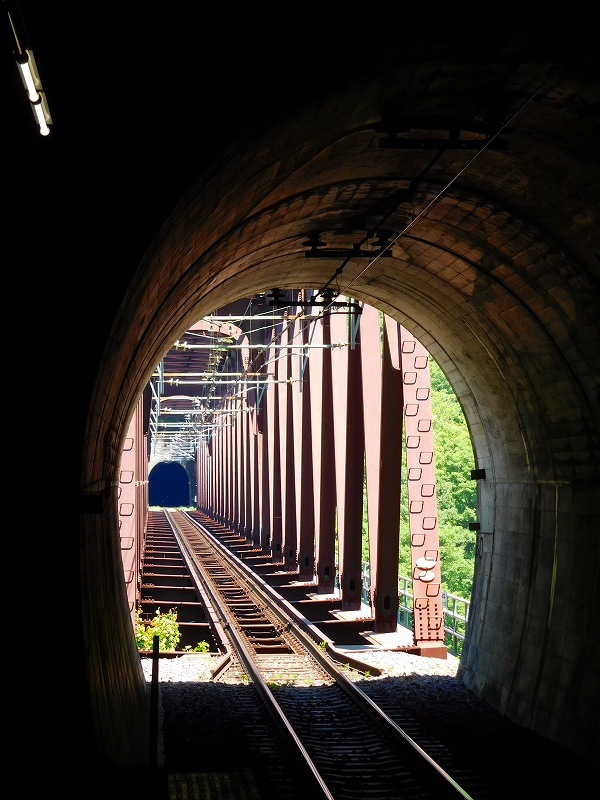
35,91
31,80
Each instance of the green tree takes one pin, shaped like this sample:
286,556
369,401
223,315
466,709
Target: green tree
456,492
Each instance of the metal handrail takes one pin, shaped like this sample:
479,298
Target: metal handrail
456,610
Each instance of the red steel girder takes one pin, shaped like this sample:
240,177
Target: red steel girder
321,399
383,404
422,498
349,458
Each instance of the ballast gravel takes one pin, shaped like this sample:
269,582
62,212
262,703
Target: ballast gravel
427,689
198,666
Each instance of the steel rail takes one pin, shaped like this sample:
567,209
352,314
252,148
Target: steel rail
307,637
248,660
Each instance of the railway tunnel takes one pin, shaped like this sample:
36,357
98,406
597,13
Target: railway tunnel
465,166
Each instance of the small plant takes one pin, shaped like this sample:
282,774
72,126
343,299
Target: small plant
164,625
279,680
201,647
323,645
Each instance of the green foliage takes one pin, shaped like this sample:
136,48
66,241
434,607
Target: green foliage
456,492
165,626
201,647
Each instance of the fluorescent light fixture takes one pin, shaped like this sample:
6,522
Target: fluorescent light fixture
28,70
38,110
30,76
35,93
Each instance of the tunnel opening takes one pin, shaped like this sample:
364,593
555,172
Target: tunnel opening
457,496
168,485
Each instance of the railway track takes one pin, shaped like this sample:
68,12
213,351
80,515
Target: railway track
317,733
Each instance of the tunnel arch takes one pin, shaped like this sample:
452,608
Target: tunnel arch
485,272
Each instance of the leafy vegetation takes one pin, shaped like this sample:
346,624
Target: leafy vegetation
166,627
201,647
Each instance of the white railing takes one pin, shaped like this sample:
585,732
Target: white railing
456,610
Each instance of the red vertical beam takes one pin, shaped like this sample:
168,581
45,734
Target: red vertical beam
235,474
248,450
200,464
240,471
210,478
383,405
234,470
286,454
323,457
204,494
273,459
218,434
254,365
132,496
305,510
253,488
223,466
201,475
349,457
262,458
247,457
214,482
214,461
232,473
227,467
422,498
